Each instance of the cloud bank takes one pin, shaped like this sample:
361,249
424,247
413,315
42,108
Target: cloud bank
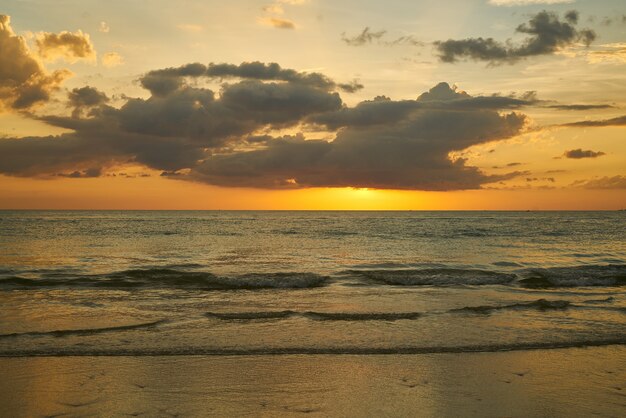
217,137
212,137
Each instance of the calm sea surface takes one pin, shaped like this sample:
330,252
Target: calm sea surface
171,283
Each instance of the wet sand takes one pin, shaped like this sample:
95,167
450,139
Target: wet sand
538,383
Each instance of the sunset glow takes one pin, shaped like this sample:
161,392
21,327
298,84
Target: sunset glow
293,105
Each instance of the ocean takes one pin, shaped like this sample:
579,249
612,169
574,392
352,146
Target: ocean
223,283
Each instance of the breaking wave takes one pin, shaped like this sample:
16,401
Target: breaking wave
580,276
190,276
172,278
541,305
316,316
435,277
86,331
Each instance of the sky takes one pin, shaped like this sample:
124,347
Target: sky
313,104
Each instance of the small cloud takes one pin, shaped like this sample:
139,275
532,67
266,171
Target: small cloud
365,37
277,23
104,27
579,153
69,46
112,59
189,27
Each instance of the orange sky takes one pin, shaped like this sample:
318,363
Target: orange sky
76,99
157,193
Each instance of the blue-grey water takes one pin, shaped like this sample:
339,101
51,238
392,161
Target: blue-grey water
253,282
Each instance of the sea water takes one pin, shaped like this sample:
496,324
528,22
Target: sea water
139,283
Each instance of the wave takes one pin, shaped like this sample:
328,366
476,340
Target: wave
361,316
610,299
316,316
85,331
541,305
273,351
164,277
247,316
191,276
435,277
579,276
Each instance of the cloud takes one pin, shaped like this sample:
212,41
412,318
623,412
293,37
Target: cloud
547,34
24,82
161,82
104,27
277,22
214,138
85,98
173,129
382,110
615,182
580,107
579,153
65,45
365,37
526,2
368,36
408,147
618,121
111,59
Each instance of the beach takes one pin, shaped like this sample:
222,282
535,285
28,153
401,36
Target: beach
578,382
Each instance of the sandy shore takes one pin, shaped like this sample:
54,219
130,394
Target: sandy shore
540,383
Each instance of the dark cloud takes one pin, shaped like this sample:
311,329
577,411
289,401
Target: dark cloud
171,130
615,182
580,153
547,34
23,80
161,82
382,110
407,147
66,45
85,98
195,134
580,107
618,121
